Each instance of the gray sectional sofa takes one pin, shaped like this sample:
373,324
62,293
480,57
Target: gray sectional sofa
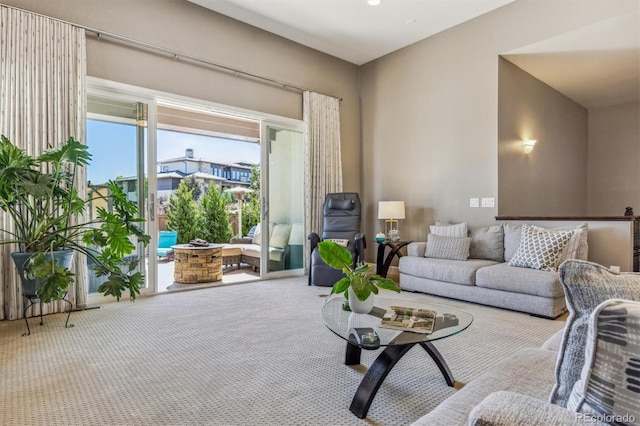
486,276
586,373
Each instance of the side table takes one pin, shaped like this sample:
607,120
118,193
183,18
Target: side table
383,263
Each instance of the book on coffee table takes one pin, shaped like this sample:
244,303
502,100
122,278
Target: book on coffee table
409,319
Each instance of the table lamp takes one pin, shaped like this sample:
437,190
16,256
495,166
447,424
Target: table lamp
391,211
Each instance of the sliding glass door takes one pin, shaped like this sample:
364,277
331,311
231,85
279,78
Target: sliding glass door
158,147
283,198
117,136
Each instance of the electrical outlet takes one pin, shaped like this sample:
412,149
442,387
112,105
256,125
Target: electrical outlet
488,202
474,202
615,269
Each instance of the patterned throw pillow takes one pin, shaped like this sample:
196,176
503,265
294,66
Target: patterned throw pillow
445,230
610,380
454,248
540,249
586,285
577,247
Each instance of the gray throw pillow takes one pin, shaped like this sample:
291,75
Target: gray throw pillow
610,379
487,242
586,285
512,236
454,248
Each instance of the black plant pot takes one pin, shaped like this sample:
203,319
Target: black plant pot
29,287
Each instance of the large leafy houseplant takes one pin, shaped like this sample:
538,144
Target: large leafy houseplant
40,196
359,279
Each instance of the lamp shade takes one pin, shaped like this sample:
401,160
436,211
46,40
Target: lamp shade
391,210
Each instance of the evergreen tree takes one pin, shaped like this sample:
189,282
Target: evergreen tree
194,186
251,205
214,226
183,215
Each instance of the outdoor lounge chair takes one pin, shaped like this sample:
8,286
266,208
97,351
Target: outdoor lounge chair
165,241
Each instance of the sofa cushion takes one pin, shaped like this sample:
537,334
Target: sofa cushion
446,230
528,371
540,249
252,250
276,254
520,280
553,343
586,285
417,249
280,235
610,379
297,234
504,408
487,242
449,271
455,248
512,235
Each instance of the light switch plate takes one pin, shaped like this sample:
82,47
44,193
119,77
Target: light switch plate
488,202
474,202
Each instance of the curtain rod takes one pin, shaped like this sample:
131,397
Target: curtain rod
100,35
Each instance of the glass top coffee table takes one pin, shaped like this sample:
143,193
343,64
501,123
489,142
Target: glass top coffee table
363,331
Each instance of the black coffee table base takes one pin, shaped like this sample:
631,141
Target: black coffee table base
381,367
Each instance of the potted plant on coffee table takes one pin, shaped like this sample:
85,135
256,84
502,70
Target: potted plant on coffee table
358,285
49,217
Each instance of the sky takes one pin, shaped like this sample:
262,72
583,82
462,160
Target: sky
114,150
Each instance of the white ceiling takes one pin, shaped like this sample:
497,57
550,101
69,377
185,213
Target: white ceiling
351,29
596,66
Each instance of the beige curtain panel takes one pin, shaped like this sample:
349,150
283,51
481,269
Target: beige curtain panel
323,162
42,102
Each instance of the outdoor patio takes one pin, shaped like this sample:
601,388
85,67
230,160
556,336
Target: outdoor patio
230,275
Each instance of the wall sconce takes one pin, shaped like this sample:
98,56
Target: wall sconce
528,145
391,211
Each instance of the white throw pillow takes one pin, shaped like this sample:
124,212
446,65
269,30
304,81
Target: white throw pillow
458,230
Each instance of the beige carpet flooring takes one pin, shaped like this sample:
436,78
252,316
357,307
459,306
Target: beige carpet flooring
246,354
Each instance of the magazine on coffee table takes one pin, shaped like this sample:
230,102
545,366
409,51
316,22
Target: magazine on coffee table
409,319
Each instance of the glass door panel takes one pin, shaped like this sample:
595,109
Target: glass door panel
283,245
117,140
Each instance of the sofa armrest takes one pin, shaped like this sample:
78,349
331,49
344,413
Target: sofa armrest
417,249
236,240
512,409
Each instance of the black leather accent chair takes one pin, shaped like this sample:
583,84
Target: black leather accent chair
341,220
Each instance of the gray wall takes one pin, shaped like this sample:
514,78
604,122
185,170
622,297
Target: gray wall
430,112
614,160
552,179
185,27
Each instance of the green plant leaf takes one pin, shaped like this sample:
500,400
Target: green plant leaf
40,196
335,255
385,283
341,286
54,279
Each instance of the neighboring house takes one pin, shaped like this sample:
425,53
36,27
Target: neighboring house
205,170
